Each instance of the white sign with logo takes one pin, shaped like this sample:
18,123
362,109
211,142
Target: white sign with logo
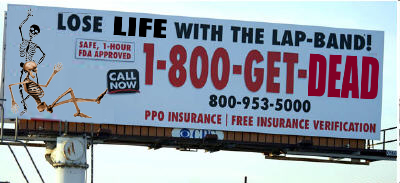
196,133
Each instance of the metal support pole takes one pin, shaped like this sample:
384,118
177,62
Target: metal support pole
91,153
2,121
59,128
16,129
69,159
33,162
2,75
65,128
16,160
384,139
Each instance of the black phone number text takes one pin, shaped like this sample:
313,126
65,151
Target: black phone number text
257,103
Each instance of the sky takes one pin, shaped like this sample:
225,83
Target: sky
138,164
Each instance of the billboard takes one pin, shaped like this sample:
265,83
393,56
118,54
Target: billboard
195,73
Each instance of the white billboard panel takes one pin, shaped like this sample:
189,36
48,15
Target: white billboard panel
182,72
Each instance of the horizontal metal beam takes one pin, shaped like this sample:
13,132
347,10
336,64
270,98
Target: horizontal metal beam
26,144
392,128
316,160
379,143
336,155
213,146
31,138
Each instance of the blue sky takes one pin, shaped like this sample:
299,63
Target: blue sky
137,164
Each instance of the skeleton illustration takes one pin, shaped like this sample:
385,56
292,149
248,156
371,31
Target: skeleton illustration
36,92
27,49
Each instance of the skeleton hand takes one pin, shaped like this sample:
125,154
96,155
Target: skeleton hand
57,67
14,107
30,13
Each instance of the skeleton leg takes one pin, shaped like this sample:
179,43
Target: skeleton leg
97,100
73,99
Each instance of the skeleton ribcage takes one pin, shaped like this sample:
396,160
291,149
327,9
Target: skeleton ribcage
34,90
27,49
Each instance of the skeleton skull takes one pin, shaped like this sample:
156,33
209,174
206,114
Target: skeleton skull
34,30
30,67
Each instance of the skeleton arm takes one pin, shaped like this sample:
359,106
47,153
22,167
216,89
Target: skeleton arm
48,82
57,68
23,22
44,55
14,105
